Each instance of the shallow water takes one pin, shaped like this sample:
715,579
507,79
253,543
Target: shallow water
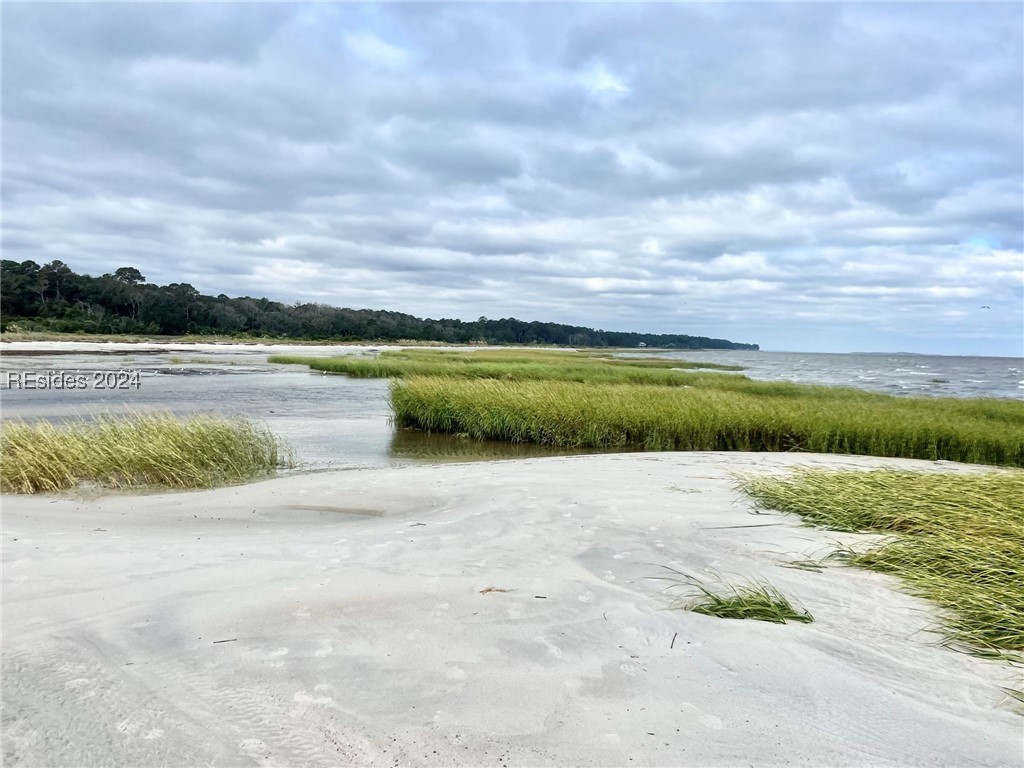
332,422
337,422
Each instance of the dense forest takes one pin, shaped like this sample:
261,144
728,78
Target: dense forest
54,298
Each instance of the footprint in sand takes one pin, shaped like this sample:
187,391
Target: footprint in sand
128,726
301,697
274,655
443,719
553,649
324,649
456,673
708,721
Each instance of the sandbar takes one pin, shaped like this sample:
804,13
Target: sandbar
497,613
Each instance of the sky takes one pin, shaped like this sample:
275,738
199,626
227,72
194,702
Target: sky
812,177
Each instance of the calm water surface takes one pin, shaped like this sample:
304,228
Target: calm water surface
332,422
338,422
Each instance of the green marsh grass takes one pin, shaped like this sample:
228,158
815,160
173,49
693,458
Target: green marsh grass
756,601
140,449
715,412
956,539
508,365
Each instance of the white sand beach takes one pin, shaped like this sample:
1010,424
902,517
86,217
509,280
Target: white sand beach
36,347
344,618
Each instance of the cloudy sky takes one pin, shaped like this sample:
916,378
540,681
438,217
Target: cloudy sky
808,177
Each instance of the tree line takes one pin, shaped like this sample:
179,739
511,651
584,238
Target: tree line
54,298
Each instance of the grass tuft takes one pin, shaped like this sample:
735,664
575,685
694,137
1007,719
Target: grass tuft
756,601
956,539
151,449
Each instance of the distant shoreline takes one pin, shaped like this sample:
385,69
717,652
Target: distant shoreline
43,343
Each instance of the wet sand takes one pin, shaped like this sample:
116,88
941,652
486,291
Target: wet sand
468,614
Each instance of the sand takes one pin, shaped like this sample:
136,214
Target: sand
35,348
344,618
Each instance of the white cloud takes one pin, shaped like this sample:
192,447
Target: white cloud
374,51
602,84
790,175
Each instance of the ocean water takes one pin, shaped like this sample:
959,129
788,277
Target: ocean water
336,422
930,375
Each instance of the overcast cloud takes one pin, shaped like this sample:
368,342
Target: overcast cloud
809,177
